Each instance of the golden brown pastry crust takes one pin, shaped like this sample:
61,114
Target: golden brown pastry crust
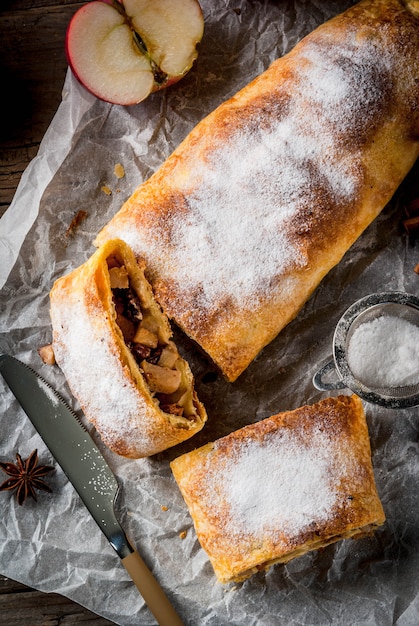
100,369
276,489
268,192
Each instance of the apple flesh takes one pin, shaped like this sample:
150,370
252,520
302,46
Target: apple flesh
123,51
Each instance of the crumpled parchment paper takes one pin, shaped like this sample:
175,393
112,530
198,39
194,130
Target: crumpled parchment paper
54,545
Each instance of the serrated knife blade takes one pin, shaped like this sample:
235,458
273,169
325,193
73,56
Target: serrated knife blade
84,465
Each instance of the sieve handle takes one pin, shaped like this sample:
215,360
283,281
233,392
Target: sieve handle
319,383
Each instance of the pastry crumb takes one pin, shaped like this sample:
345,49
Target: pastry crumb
164,507
183,534
47,354
119,170
79,217
106,190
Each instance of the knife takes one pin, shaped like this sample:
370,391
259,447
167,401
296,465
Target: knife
85,467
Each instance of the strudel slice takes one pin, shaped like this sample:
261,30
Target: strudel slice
269,191
115,347
276,489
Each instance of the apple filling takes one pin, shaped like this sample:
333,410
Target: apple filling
156,355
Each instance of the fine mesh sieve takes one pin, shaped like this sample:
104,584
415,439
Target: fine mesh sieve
336,373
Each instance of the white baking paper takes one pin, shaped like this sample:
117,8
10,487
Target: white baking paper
53,545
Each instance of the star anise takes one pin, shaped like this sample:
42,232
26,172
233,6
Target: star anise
25,477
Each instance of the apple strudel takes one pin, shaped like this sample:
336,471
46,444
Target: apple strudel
269,191
113,344
276,489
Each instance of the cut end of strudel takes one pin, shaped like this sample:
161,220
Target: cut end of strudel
274,490
269,191
114,346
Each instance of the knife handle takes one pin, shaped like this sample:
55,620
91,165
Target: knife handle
153,594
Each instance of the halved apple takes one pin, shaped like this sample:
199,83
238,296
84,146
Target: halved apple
123,51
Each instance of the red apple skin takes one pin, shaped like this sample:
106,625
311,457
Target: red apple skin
157,86
67,50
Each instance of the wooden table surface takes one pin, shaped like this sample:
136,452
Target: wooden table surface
33,68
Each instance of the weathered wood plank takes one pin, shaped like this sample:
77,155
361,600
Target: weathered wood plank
21,606
33,67
13,162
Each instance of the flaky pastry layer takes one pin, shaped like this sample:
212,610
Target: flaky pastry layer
276,489
269,191
113,344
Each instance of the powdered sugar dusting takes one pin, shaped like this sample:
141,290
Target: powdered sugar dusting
384,352
238,235
108,397
282,485
234,238
348,84
261,487
250,197
49,392
100,358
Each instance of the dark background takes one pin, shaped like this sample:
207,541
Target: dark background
32,69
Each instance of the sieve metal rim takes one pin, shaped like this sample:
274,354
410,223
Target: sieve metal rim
339,347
